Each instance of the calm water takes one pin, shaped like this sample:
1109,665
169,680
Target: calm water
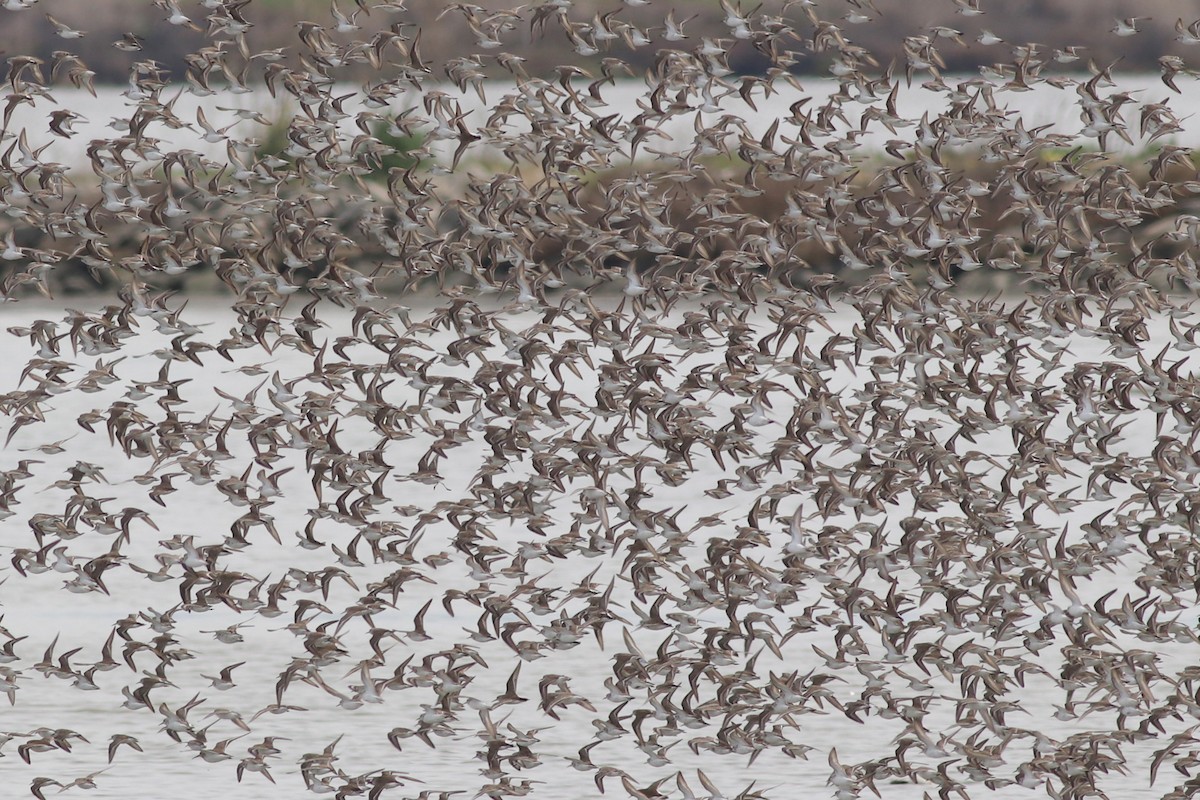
39,608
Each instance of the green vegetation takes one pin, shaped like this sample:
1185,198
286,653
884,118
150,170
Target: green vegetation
275,140
404,152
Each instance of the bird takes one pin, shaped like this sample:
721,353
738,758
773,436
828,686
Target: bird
119,739
1127,26
64,31
224,681
175,15
1189,33
38,786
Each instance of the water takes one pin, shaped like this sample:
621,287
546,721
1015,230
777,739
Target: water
1042,104
38,607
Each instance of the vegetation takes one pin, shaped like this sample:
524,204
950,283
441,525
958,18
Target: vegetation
404,149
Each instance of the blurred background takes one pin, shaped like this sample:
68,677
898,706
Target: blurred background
232,117
880,27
